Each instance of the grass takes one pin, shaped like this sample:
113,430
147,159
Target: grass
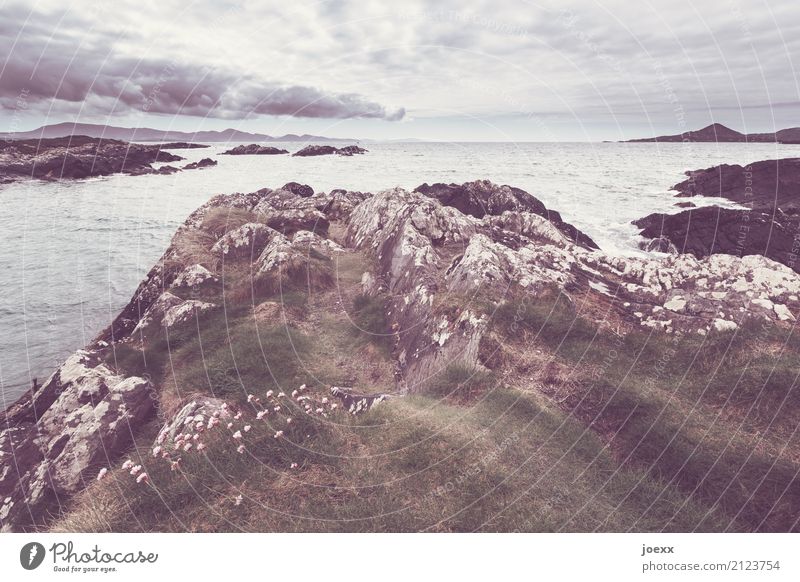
371,323
218,221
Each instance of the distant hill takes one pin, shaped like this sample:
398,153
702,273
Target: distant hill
158,135
716,132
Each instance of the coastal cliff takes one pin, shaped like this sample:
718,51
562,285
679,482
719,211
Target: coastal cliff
336,361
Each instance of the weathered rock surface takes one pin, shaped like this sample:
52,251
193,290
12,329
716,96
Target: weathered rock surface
769,225
80,420
441,263
254,149
482,197
77,157
325,150
182,145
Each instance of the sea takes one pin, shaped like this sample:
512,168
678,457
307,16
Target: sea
73,252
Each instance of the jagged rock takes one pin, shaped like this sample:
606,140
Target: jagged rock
710,230
181,145
169,310
204,163
302,190
338,204
351,150
482,197
247,240
254,149
77,157
194,277
198,410
85,427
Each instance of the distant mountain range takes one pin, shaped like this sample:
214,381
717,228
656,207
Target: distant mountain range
159,135
716,132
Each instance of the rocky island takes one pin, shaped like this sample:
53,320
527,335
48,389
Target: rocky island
768,222
254,150
325,150
314,361
77,157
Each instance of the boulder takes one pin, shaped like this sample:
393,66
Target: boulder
204,163
254,149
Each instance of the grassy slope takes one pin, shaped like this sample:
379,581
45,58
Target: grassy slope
574,429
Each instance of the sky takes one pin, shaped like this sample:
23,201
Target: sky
479,70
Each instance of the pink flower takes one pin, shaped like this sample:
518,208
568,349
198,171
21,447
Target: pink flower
261,414
195,437
136,469
281,395
270,393
293,466
237,435
334,406
240,449
142,477
127,465
161,438
199,426
238,415
295,393
277,409
250,397
238,500
175,465
278,434
288,421
102,473
319,411
216,412
325,400
187,447
247,428
200,446
302,387
157,451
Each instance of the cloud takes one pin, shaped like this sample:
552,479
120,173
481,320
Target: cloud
57,62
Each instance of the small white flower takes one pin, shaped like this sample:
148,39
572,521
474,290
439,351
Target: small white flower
156,451
216,412
247,428
237,435
142,477
250,397
127,465
302,387
200,446
295,393
293,466
187,447
175,465
102,473
269,393
277,409
261,414
281,395
288,421
238,500
199,426
325,400
161,438
240,449
136,469
238,415
319,411
230,425
278,434
334,406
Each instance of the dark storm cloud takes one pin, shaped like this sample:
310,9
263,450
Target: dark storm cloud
56,63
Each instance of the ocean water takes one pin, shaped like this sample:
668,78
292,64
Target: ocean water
72,253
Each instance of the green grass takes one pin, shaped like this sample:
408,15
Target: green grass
371,323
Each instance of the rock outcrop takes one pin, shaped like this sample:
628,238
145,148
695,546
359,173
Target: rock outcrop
54,441
77,157
325,150
204,163
768,223
254,149
440,265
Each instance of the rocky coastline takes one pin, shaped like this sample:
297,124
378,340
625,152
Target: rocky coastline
435,266
767,222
